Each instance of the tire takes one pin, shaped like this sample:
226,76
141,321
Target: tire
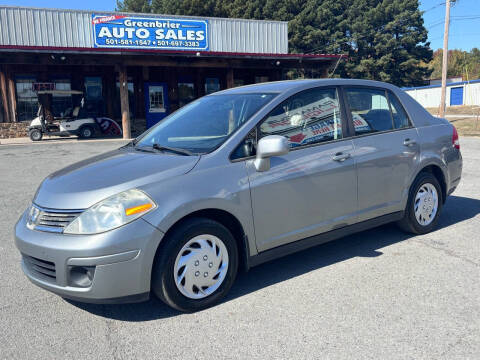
35,134
86,132
410,223
195,238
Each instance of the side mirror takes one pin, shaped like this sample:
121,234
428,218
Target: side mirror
272,145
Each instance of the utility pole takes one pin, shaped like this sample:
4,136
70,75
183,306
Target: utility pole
445,59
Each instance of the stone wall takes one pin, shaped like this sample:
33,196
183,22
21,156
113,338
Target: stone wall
14,130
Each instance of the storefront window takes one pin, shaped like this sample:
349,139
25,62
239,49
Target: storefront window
238,82
27,100
186,93
211,85
94,103
261,79
61,103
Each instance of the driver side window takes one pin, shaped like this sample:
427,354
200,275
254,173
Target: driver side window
309,117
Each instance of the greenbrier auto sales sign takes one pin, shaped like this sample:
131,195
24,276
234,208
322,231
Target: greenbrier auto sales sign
118,31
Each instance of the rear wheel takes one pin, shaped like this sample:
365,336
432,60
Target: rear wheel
196,265
35,134
86,132
424,205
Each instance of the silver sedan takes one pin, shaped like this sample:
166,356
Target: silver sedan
235,179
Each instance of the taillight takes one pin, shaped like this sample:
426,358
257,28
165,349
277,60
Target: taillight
455,141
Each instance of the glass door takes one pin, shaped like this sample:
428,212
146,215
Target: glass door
156,102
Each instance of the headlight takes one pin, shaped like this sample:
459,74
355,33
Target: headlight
32,215
111,213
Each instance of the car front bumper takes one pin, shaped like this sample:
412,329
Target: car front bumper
110,267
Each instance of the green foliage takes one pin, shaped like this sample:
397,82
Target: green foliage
189,7
382,39
140,6
460,63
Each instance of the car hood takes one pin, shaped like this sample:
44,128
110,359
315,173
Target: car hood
85,183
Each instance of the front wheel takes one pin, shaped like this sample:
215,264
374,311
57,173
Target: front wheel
86,132
196,265
424,205
35,134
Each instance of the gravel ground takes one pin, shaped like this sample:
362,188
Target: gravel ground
377,294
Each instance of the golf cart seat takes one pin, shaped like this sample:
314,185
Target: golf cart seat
75,112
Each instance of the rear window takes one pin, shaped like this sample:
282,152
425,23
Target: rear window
375,110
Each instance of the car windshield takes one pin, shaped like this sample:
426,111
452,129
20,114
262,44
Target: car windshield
204,124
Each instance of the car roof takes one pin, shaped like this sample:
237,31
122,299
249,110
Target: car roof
287,85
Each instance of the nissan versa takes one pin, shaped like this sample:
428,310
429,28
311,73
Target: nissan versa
235,179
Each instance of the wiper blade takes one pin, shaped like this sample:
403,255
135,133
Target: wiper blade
172,149
138,148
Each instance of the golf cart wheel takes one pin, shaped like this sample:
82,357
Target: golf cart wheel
86,132
35,134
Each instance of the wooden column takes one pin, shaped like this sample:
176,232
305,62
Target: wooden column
123,79
4,95
12,99
230,79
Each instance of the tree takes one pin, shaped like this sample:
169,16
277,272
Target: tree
386,41
189,7
460,63
140,6
382,39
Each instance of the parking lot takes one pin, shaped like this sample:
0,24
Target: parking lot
378,294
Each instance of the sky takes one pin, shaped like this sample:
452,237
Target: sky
464,31
464,25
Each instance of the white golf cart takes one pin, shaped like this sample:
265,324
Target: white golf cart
73,121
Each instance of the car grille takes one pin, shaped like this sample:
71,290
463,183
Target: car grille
40,268
53,220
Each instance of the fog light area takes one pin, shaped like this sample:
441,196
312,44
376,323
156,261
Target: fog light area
81,276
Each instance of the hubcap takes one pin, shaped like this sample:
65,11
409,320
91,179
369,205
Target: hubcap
87,133
201,266
36,135
426,204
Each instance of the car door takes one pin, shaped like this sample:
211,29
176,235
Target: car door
385,149
312,189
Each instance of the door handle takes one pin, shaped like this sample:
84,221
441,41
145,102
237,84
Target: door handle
409,142
341,156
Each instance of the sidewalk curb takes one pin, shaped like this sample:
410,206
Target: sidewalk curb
27,141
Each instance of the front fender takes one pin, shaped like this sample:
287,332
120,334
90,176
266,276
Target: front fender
221,188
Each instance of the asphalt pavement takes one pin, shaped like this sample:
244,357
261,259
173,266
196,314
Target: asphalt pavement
379,294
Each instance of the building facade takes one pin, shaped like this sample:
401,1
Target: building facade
458,93
135,68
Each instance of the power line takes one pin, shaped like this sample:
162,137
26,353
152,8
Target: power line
434,7
456,18
455,35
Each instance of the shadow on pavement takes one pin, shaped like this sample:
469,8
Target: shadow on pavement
363,244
